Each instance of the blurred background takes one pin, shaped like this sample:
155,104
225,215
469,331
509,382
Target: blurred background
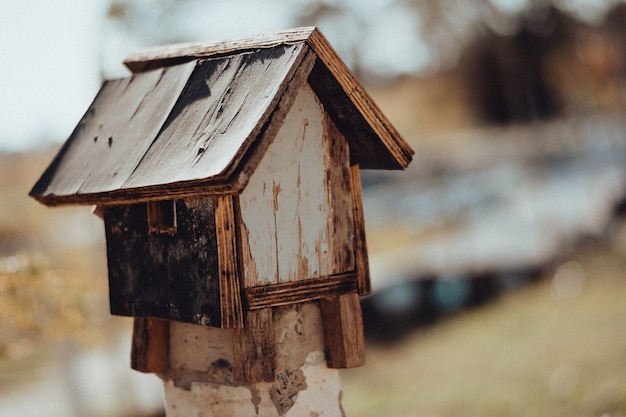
498,258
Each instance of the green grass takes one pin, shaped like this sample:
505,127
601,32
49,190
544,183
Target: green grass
529,353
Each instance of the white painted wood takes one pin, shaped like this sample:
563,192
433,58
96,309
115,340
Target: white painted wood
287,208
304,386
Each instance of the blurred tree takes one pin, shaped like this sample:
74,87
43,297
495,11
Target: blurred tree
41,303
378,38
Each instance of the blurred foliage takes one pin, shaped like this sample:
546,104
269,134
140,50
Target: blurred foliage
41,303
53,282
534,352
426,35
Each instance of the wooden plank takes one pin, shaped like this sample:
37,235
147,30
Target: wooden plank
171,276
340,222
220,113
150,345
127,196
163,56
299,291
296,209
360,243
229,288
343,331
254,354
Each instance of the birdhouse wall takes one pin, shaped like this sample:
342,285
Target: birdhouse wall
296,210
168,272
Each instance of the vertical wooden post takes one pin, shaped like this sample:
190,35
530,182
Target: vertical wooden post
230,290
253,348
360,245
343,330
150,345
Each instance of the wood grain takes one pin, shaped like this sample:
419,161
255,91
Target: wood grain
396,153
339,89
228,267
164,56
296,209
343,331
340,199
275,295
170,276
254,354
191,133
150,345
104,149
360,242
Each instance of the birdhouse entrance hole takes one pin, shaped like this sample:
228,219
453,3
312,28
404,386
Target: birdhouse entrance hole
162,216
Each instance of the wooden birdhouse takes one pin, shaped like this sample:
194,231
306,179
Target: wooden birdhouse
227,176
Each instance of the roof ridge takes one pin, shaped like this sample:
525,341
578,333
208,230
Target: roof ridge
160,56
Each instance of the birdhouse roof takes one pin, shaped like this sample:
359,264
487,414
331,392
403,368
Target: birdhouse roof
192,118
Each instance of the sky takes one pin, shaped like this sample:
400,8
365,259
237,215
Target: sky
49,72
54,51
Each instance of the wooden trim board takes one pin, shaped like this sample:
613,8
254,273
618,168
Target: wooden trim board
150,345
360,244
165,56
254,355
343,331
228,268
299,291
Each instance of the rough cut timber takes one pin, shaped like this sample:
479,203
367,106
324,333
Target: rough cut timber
212,110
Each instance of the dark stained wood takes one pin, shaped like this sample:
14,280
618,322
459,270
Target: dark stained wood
150,345
230,290
254,355
340,222
285,293
170,276
113,135
360,243
343,331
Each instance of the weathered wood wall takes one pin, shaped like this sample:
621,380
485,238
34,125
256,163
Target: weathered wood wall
297,217
169,275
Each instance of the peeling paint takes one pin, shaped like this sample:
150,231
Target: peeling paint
285,390
289,207
256,397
